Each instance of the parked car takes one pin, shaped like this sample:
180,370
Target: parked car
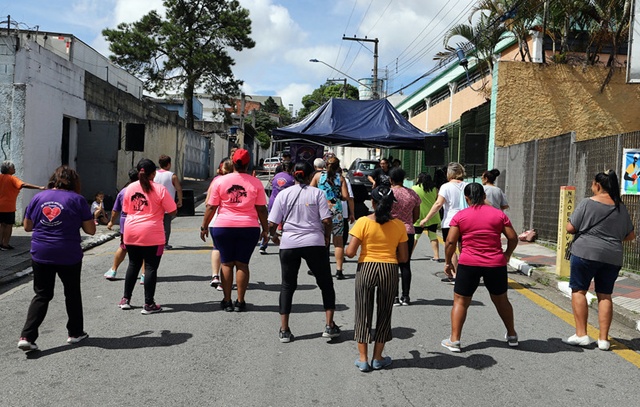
358,174
270,164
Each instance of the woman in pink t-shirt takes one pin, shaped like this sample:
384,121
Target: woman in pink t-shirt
241,204
145,204
480,226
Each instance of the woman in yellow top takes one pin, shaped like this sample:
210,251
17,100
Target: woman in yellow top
384,245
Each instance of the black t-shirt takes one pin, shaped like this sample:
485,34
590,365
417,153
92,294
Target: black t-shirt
381,177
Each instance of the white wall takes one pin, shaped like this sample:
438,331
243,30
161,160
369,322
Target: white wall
53,88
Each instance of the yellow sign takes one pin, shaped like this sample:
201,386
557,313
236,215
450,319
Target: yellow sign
567,205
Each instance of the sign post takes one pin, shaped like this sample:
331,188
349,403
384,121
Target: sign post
567,205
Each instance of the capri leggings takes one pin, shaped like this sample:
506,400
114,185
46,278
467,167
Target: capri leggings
369,277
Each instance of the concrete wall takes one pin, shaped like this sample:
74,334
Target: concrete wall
536,102
164,130
44,89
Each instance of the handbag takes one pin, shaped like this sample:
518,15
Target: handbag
567,250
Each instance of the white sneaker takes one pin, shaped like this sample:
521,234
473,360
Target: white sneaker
76,339
511,340
110,275
603,345
576,340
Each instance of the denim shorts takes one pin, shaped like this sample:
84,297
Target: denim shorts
604,275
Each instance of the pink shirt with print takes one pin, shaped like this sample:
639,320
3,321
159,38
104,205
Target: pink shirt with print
481,230
406,200
236,196
145,214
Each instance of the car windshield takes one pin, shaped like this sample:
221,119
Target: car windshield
367,166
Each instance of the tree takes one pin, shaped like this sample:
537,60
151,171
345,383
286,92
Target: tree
324,93
187,49
270,106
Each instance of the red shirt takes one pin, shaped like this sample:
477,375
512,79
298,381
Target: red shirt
10,186
481,229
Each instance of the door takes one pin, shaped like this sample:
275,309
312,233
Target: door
97,159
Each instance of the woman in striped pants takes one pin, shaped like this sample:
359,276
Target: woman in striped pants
384,245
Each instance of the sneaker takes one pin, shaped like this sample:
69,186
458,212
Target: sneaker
448,280
226,305
141,279
452,346
219,287
576,340
331,332
511,340
396,302
309,272
110,275
339,275
362,366
168,247
215,281
381,364
603,345
405,300
76,339
239,306
124,303
25,345
7,247
285,336
151,309
263,250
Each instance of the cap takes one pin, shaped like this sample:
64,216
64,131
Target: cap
241,157
636,155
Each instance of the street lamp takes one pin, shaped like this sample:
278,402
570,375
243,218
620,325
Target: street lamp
339,71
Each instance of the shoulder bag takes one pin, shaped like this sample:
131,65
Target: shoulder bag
567,251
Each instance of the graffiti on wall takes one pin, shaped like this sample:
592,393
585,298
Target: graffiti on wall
5,145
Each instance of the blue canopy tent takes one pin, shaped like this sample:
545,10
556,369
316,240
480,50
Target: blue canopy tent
357,123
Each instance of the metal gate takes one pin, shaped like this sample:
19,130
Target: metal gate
97,159
196,156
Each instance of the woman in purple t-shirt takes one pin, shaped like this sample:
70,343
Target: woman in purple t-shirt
306,234
55,216
480,226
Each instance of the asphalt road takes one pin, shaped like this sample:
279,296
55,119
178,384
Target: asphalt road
195,354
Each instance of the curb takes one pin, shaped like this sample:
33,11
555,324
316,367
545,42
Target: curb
547,278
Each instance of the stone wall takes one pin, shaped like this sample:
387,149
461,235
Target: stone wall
536,102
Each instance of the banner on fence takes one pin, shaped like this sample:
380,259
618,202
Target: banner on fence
630,171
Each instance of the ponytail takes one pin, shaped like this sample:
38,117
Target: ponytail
302,171
145,168
608,180
383,197
475,193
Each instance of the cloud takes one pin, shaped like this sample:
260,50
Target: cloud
128,11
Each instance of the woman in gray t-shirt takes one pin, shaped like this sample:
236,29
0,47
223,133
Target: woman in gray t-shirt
600,224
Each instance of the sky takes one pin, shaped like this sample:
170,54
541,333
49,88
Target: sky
288,33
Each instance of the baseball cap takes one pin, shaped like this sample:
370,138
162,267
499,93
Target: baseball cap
241,157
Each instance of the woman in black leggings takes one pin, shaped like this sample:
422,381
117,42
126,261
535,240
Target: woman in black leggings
306,233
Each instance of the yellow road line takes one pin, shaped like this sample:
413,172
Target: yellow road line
618,348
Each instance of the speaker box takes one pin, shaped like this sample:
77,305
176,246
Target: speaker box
434,150
475,149
134,137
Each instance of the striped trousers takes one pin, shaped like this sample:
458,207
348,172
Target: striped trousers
369,276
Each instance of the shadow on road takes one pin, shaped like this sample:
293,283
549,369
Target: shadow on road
182,278
141,340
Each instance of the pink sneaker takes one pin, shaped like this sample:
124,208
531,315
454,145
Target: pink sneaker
151,309
124,303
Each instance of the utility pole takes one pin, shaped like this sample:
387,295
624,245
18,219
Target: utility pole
374,88
344,86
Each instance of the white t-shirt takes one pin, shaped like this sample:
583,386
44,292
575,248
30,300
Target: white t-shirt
345,204
453,194
164,178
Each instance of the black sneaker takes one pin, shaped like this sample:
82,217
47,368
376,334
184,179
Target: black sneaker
405,300
239,306
226,305
331,332
285,336
396,302
309,272
339,275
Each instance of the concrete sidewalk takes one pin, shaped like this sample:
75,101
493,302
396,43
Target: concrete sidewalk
539,262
